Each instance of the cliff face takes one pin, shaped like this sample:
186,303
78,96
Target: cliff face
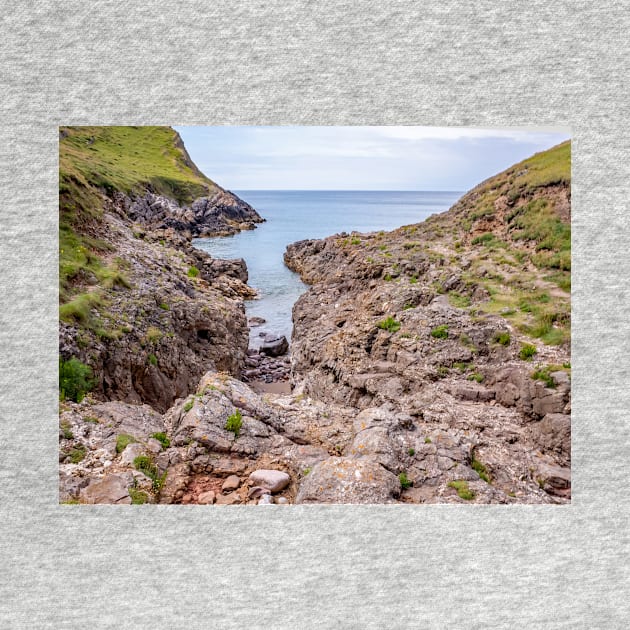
462,322
147,312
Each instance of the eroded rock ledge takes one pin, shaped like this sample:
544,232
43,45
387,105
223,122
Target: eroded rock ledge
113,452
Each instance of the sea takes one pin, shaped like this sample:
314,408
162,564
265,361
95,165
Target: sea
294,215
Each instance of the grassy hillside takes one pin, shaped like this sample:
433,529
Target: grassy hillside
518,225
98,161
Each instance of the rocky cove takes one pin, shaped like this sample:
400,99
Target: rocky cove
430,364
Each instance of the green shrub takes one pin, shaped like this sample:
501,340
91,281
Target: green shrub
153,360
389,324
162,438
440,332
427,440
527,352
502,338
137,496
484,239
235,422
75,379
405,482
145,465
462,489
188,406
66,431
77,453
543,374
355,241
78,310
193,272
165,307
122,441
476,376
411,452
481,470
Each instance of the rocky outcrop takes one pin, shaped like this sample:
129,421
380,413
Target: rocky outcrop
460,325
221,214
144,309
227,445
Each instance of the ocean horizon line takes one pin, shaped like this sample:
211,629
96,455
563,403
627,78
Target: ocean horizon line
341,190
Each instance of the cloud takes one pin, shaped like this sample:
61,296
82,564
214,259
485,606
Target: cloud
361,158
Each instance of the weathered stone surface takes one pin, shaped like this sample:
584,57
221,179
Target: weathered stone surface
348,480
228,499
274,346
206,498
553,435
231,483
111,489
274,480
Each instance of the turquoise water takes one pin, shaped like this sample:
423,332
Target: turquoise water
295,215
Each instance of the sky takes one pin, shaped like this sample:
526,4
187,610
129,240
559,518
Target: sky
361,158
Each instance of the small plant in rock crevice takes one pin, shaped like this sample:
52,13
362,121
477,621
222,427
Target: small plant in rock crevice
405,482
389,324
235,422
527,352
462,489
440,332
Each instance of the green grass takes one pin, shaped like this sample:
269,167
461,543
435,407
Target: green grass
138,497
145,465
128,159
389,324
75,379
152,360
153,334
193,272
78,309
411,452
543,373
527,351
476,376
122,441
458,300
502,338
162,438
481,470
77,453
440,332
235,422
462,489
66,431
93,160
405,482
188,406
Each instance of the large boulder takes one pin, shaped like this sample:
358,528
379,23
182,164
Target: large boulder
274,345
111,489
348,480
273,480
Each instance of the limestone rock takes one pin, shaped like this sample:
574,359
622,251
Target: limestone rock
348,480
111,489
206,498
274,480
231,483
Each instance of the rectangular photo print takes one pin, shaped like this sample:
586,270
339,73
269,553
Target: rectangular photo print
314,315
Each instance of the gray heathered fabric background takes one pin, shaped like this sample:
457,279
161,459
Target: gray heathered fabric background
490,64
